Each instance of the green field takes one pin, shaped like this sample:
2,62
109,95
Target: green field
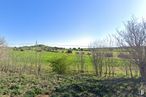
31,73
44,58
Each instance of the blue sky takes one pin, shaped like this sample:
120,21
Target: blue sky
64,22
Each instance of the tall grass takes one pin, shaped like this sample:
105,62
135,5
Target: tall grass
42,63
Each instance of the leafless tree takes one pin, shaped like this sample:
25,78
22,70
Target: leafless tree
2,48
97,56
82,60
3,55
133,39
38,60
110,44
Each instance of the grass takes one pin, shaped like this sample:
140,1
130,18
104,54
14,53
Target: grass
79,85
27,85
23,83
73,60
46,57
96,87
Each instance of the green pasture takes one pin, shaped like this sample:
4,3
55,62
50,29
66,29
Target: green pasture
29,57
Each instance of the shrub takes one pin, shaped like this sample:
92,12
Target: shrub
77,53
69,51
21,49
124,56
62,51
29,94
59,65
74,49
80,52
88,53
38,50
108,55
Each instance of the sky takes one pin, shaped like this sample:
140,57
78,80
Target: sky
64,23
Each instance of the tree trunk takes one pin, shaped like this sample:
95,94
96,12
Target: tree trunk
143,72
106,69
96,70
130,69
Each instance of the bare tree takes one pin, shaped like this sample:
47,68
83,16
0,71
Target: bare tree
2,41
97,57
133,39
82,60
3,55
2,48
110,60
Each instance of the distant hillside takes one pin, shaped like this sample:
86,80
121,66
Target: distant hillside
39,47
42,47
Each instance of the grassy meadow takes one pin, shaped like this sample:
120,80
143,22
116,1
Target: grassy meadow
32,73
44,58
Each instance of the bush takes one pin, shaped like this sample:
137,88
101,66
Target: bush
29,94
80,52
38,50
62,51
77,53
21,49
89,53
69,51
59,65
108,55
124,56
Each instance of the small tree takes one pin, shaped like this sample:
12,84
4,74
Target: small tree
2,48
60,65
69,51
97,56
3,55
133,39
82,60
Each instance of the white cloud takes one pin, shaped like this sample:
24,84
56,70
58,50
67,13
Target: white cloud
82,42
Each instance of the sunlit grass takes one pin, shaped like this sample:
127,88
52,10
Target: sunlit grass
30,57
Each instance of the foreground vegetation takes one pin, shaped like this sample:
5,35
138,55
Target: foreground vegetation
79,85
31,73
